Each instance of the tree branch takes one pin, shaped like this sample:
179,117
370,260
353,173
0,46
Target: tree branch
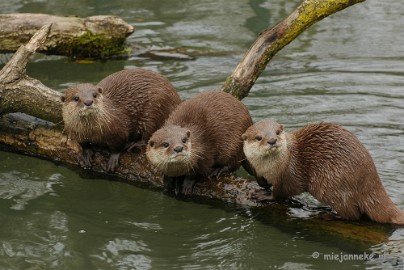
274,39
20,93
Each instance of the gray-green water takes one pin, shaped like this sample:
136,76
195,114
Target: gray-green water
348,69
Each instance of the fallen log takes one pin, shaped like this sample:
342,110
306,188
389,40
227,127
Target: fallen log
43,138
91,37
35,137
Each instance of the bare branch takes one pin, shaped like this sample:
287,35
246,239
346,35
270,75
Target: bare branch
274,39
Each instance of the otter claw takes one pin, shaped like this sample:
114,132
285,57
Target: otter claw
179,185
85,164
113,162
87,158
173,184
188,186
168,183
262,182
263,196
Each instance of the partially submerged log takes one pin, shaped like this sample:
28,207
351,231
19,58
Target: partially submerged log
29,136
91,37
44,139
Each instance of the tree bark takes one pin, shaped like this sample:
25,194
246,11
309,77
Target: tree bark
20,93
92,37
23,132
274,39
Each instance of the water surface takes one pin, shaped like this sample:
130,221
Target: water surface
346,69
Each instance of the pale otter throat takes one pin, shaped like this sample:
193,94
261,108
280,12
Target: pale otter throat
325,160
201,138
125,107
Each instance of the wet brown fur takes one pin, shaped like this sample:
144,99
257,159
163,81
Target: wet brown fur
215,121
326,160
129,106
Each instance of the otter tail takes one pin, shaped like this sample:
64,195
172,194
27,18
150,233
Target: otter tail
399,220
380,208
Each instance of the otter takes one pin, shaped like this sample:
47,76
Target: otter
201,138
324,159
125,107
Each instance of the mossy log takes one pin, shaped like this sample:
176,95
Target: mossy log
31,124
91,37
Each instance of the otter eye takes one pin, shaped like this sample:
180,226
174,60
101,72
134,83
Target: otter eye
278,132
166,145
258,138
184,140
76,98
94,95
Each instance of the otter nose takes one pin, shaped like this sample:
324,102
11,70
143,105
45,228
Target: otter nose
178,149
271,141
88,102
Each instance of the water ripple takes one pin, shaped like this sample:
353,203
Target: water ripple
20,188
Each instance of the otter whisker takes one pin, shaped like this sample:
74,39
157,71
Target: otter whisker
190,167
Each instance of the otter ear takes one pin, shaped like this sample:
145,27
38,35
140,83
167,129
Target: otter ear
63,98
188,133
281,127
151,143
244,137
99,89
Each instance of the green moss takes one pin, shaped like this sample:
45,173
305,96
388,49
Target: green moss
90,46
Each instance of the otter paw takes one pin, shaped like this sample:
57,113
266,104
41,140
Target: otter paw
262,182
169,183
113,162
87,158
188,186
174,184
263,196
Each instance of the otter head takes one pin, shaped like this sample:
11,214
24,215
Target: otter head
82,100
264,139
84,111
265,147
170,150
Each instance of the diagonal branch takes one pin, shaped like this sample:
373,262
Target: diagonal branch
20,93
274,39
16,67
